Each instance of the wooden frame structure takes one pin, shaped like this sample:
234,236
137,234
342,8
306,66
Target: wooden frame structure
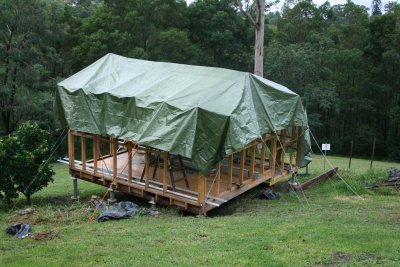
152,173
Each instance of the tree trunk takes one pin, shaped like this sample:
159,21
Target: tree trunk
259,43
28,199
6,121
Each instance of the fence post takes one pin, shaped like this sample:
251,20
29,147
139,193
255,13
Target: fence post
351,152
373,152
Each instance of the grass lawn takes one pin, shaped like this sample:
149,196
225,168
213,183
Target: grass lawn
357,165
330,227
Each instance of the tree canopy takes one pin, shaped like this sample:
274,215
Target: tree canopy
342,60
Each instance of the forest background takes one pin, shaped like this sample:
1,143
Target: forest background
343,60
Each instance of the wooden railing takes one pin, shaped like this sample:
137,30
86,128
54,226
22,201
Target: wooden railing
261,160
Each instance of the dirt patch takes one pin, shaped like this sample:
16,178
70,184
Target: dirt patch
18,218
339,258
46,235
371,257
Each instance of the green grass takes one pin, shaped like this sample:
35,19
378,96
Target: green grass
331,226
357,165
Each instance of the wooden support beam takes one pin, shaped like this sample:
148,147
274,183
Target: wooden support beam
272,154
230,172
114,148
291,144
298,145
242,162
283,145
83,152
262,156
252,161
165,172
96,152
130,154
201,189
147,169
217,179
71,149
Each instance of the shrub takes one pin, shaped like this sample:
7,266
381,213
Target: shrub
22,158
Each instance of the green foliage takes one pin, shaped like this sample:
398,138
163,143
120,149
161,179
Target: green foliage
174,46
344,62
22,156
30,58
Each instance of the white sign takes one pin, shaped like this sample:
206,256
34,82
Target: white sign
326,146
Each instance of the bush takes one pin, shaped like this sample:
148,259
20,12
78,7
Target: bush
22,156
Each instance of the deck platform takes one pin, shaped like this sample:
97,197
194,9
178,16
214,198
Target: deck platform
151,173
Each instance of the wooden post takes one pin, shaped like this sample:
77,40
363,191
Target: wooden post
262,157
230,171
272,154
351,152
147,169
217,179
83,152
252,161
298,147
283,144
71,149
201,188
130,154
114,148
373,152
165,171
292,137
96,152
242,162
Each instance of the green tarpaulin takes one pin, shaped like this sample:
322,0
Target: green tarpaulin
201,113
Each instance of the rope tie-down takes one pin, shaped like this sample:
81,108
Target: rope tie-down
131,154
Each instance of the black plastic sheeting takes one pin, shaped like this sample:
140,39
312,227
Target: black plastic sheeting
267,194
394,175
19,230
121,210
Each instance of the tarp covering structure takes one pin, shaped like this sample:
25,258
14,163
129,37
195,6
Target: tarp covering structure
201,113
